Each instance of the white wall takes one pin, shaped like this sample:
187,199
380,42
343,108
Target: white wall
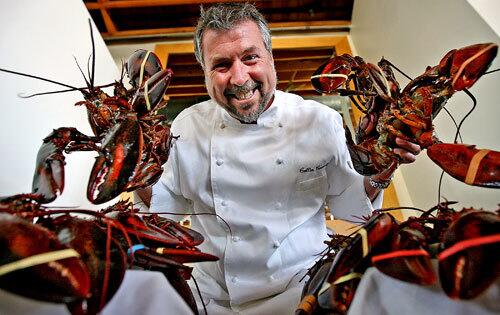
414,34
41,38
489,10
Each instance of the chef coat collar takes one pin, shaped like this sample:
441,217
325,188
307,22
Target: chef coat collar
267,118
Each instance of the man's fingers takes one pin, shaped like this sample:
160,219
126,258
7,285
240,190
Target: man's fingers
408,146
406,157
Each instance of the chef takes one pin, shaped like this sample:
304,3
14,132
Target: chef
257,164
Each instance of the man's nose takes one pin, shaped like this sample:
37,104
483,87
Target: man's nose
239,74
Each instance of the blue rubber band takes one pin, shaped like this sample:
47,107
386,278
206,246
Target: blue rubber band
135,248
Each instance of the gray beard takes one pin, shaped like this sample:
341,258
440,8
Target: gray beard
251,117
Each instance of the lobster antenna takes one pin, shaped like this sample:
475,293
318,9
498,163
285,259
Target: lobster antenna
397,69
194,214
93,54
491,71
40,78
454,122
474,101
83,74
45,93
199,294
122,74
439,186
88,66
62,91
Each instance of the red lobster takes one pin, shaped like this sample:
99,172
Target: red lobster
466,244
131,142
82,262
408,114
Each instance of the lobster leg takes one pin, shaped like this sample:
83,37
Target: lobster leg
467,164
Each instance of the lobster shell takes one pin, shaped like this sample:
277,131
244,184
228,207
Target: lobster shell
466,273
58,281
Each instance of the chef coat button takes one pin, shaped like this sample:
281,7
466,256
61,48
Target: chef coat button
280,125
279,161
223,203
219,162
276,244
222,126
234,279
236,238
278,205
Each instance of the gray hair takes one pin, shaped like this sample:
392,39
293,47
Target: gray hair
225,16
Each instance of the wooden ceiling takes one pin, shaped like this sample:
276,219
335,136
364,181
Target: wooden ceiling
132,19
163,21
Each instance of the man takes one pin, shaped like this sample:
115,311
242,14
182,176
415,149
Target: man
263,162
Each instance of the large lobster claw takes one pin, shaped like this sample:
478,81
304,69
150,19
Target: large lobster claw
48,180
141,66
468,262
467,164
470,63
34,263
151,93
118,158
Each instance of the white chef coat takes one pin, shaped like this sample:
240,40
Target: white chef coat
268,182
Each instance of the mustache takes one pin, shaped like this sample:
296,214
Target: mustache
245,88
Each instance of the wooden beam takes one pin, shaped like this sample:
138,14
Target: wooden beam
190,29
110,26
120,4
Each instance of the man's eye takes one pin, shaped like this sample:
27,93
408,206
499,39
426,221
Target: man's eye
250,57
221,66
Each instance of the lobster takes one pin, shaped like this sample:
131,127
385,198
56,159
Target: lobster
131,142
390,112
82,261
465,243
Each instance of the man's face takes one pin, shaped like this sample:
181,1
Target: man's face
239,71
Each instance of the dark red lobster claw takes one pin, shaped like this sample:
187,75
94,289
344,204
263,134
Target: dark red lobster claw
48,180
149,96
468,164
469,261
118,159
34,263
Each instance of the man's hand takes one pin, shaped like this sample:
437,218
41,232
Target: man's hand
407,151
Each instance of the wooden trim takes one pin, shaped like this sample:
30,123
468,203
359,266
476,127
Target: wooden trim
301,24
163,50
190,29
148,32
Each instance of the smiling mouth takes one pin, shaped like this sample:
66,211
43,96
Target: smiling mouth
242,93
